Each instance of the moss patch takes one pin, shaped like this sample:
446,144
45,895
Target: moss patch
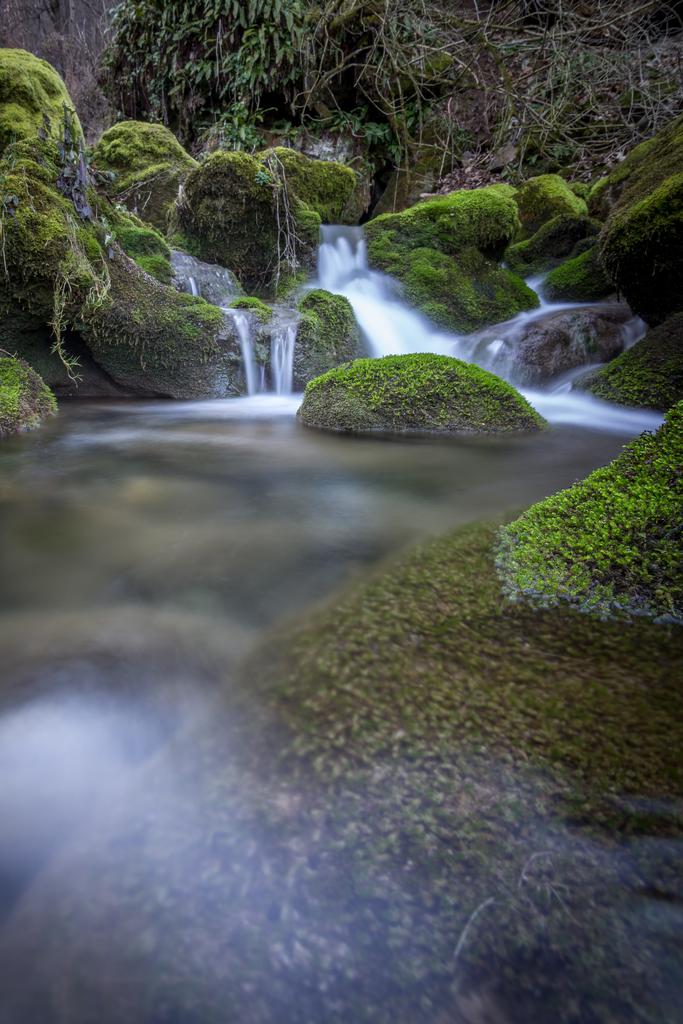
146,164
146,246
649,375
32,99
257,306
580,279
25,399
444,252
556,240
612,544
327,335
542,198
415,394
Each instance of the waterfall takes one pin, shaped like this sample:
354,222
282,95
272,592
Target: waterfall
242,322
391,327
283,340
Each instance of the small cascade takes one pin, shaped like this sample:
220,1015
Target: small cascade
213,283
243,326
282,342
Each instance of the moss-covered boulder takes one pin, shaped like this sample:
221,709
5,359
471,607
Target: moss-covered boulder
25,399
261,310
33,98
611,544
327,336
144,166
64,270
641,243
556,240
260,215
649,375
145,245
414,394
542,198
445,253
580,279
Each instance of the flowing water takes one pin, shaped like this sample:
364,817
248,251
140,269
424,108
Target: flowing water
147,548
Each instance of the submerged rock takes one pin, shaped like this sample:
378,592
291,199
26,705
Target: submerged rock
327,336
445,253
611,544
421,393
649,375
208,280
145,166
25,399
564,340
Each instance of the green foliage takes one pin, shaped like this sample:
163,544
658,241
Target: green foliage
555,240
580,279
415,394
649,375
542,198
24,398
612,544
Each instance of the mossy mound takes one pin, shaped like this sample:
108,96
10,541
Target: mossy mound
145,245
245,211
611,544
641,244
64,270
649,375
25,399
421,393
542,198
580,279
326,337
32,99
146,166
554,241
444,252
258,307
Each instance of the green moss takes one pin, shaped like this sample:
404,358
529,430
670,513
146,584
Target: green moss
580,279
414,394
443,252
32,99
611,544
641,248
545,197
146,246
257,306
327,335
25,399
146,166
323,186
582,189
649,375
555,240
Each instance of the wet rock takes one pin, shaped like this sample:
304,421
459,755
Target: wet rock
562,341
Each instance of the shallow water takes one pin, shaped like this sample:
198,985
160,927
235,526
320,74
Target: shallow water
146,548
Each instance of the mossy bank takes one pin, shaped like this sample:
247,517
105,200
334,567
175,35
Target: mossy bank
25,399
412,394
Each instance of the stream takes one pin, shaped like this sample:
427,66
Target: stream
148,548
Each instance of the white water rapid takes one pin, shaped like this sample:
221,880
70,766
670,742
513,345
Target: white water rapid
391,327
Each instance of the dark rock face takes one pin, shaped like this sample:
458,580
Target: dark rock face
566,340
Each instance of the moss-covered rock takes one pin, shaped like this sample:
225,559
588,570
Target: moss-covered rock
421,393
444,252
145,245
542,198
641,243
145,166
649,375
554,241
32,99
580,279
63,269
261,310
25,399
327,336
611,544
258,215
